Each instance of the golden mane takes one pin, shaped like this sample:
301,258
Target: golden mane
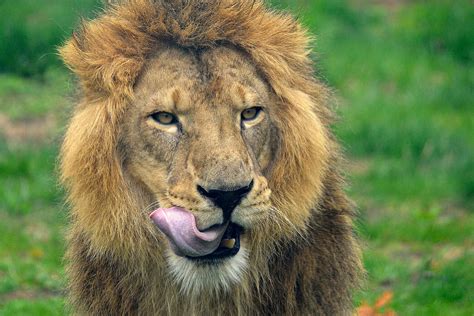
108,55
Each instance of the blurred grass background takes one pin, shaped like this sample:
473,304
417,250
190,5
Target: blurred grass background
403,76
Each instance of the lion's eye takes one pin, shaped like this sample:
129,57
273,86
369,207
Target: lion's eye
164,118
251,114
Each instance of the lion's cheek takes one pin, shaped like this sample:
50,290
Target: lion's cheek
252,218
259,142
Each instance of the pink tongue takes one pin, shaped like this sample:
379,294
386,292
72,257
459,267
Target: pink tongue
179,226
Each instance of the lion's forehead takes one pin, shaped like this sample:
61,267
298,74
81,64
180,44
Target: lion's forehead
180,81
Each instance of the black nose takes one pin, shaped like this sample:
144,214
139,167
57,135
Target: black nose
226,200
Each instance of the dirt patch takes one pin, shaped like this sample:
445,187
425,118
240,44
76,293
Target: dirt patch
27,130
408,253
30,295
359,166
390,5
38,232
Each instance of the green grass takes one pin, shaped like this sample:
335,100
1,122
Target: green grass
31,30
403,78
31,253
36,307
27,182
31,232
25,98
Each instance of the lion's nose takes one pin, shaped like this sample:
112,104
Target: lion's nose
225,199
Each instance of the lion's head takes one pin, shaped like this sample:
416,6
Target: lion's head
207,111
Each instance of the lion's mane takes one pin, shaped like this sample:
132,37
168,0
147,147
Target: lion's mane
111,254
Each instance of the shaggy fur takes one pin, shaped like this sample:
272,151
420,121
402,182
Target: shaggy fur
116,264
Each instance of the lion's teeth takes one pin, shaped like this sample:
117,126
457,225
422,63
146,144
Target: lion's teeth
228,243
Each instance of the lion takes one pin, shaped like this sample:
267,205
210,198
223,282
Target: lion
200,166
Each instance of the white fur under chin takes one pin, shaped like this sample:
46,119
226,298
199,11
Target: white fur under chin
194,277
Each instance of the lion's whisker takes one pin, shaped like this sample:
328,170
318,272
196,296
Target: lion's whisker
151,207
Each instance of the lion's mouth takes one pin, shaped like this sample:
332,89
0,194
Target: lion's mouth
186,240
228,247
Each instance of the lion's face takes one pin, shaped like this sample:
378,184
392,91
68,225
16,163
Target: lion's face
200,137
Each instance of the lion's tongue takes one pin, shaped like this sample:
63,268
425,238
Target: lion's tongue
179,226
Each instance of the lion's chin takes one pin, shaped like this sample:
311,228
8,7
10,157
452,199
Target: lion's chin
213,277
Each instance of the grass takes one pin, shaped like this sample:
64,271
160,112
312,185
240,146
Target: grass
31,30
27,179
31,226
403,76
25,98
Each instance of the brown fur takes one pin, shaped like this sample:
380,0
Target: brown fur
116,262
